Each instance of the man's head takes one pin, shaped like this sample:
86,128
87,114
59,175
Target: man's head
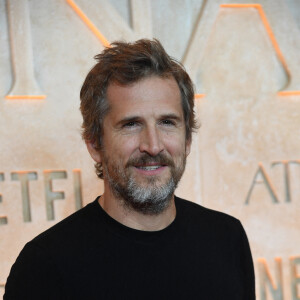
126,63
137,106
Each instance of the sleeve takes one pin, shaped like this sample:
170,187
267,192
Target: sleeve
33,276
247,268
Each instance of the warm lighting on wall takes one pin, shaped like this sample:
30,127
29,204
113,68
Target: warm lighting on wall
89,23
289,93
267,27
272,38
199,96
105,42
100,36
25,97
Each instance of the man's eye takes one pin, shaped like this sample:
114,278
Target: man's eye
167,122
130,124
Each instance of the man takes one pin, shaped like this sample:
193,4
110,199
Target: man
137,241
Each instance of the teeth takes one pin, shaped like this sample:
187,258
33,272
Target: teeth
149,168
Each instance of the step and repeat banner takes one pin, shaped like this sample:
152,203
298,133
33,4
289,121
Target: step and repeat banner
244,58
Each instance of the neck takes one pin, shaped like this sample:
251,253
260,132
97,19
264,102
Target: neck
134,219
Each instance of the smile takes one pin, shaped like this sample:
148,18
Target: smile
149,168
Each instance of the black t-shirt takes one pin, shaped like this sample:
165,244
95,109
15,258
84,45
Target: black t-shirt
202,254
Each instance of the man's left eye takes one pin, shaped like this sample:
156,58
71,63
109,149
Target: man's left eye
167,122
130,124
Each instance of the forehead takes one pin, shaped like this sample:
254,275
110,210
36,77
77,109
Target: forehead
156,94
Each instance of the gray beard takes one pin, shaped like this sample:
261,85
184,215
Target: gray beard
150,200
153,197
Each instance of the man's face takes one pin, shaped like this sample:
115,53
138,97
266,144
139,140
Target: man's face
144,146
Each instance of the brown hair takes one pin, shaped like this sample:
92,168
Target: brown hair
126,63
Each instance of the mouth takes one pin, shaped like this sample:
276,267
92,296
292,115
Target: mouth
146,165
149,168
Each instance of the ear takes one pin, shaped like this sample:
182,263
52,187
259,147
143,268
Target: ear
95,154
188,145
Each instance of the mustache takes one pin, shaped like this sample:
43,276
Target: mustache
160,159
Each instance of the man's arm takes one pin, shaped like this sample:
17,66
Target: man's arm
33,276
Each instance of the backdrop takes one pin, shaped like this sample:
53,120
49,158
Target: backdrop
245,160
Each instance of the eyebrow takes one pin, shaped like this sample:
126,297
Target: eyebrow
171,116
128,119
137,118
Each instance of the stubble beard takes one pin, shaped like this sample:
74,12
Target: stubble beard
150,197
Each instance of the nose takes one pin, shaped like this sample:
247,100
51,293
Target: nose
151,141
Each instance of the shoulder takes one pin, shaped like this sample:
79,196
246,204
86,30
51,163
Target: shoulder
63,243
74,227
207,219
197,210
44,260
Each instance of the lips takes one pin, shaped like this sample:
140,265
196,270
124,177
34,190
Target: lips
149,168
150,163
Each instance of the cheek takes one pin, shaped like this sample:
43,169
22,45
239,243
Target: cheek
175,146
123,147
